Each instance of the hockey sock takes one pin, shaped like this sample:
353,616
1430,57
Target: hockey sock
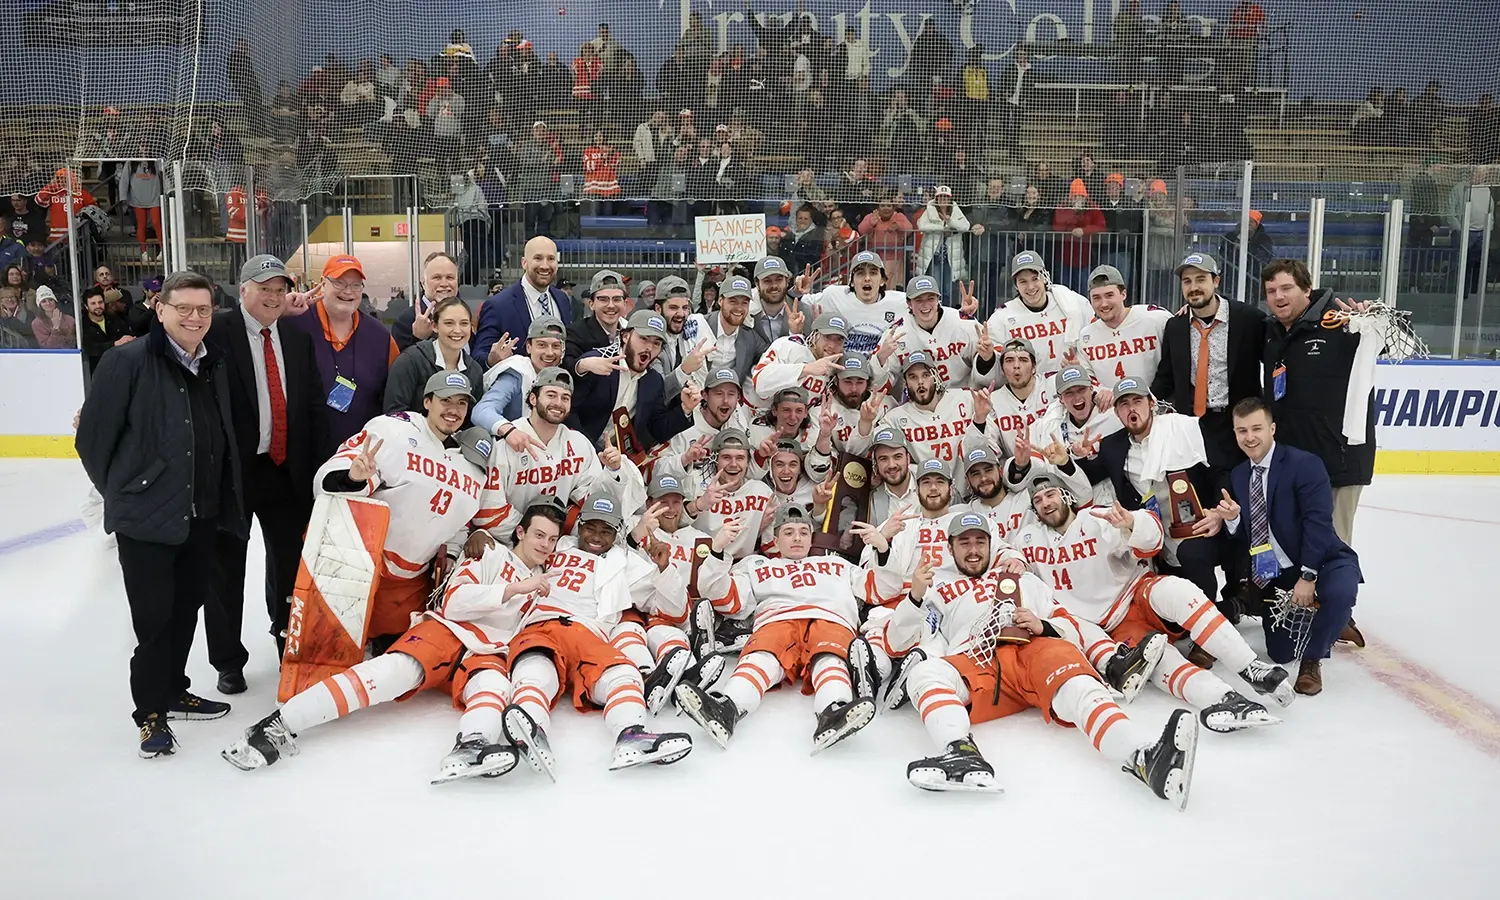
661,639
373,681
1095,642
830,680
620,692
485,695
630,639
1084,701
939,692
1179,600
1185,681
536,684
755,674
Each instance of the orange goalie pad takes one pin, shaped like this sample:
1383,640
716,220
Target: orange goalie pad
342,561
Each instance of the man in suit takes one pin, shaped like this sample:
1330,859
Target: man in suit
439,282
771,309
604,326
275,401
737,346
1290,538
533,296
613,388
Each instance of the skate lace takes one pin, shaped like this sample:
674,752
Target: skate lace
1293,620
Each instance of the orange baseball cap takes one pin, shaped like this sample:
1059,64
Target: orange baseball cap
1078,188
1115,178
1158,186
773,231
1255,216
342,265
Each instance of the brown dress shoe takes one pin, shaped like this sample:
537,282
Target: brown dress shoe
1201,658
1309,678
1351,635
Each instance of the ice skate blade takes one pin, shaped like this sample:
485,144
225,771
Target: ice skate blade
493,766
1185,739
668,751
687,703
940,784
1220,726
519,728
861,713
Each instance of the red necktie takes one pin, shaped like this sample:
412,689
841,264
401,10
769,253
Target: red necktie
278,400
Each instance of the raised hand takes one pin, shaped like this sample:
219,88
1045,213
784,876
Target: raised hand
968,301
691,396
713,492
601,365
1353,307
1055,453
921,579
823,490
805,281
1086,447
893,525
1227,508
822,368
828,417
982,404
1104,399
1024,451
610,455
649,522
795,318
538,583
502,349
422,325
870,410
521,441
362,467
659,551
986,347
696,452
727,533
694,360
1115,515
477,544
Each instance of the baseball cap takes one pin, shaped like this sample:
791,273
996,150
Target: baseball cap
1044,481
731,439
855,365
1072,377
671,285
889,437
738,286
866,258
663,484
1129,387
942,190
546,327
771,230
1106,275
796,392
642,286
151,284
828,323
933,466
647,323
787,445
978,457
602,279
771,265
1196,260
967,521
1018,344
922,284
602,506
917,358
721,376
339,266
263,268
552,376
790,514
476,445
448,384
1027,260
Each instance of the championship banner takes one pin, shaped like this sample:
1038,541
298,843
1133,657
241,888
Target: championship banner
850,503
336,581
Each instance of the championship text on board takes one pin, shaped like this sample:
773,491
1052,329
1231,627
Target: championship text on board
730,239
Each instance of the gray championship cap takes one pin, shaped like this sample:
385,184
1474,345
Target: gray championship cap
771,265
1197,260
602,279
829,323
980,456
1130,387
1103,276
918,358
787,445
867,258
602,506
1018,344
922,284
1027,260
933,466
791,514
889,437
547,327
642,286
263,268
796,393
965,522
476,445
731,439
447,384
552,376
672,286
1045,481
647,323
665,484
1072,377
855,365
722,376
737,286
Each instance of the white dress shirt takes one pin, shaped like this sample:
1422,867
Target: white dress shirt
262,389
1234,524
1218,356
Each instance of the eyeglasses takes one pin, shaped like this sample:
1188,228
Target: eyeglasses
188,311
346,285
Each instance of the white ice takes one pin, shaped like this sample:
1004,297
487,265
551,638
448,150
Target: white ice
1359,794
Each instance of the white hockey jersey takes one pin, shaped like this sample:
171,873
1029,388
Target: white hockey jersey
1058,425
1010,415
846,434
751,504
593,590
818,587
963,606
1131,351
922,538
568,469
781,368
433,492
867,321
474,606
940,433
682,541
1051,331
1092,566
1008,516
951,343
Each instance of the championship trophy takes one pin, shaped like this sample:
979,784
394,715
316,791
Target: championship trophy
850,503
701,549
625,436
1007,599
1183,509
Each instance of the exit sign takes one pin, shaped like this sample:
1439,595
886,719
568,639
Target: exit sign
403,229
374,231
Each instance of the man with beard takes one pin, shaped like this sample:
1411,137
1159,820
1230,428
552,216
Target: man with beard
992,672
865,304
736,346
1122,341
1007,510
847,412
601,329
1099,565
800,361
540,457
532,297
786,420
1022,401
624,395
720,408
1077,422
731,494
771,309
510,381
959,346
936,420
1049,316
895,487
688,343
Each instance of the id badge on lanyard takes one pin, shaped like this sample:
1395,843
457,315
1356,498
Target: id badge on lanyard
1263,561
1278,382
342,394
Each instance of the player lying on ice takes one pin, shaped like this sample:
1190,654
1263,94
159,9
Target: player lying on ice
1004,657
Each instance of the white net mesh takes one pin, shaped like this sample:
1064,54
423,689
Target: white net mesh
1292,620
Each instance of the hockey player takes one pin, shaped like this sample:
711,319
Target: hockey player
866,305
895,485
848,410
1099,565
434,487
562,645
719,407
785,419
1006,510
789,483
732,493
989,674
1050,316
1122,341
935,419
959,346
1022,400
797,361
806,610
687,544
460,646
541,457
1076,421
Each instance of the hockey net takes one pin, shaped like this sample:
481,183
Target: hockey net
1292,620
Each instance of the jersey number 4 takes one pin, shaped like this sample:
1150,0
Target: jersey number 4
1061,581
440,501
1119,370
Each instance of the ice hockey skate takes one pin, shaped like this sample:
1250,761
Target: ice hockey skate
862,668
661,680
636,747
1270,680
472,756
714,712
1234,713
1167,765
701,628
1128,670
263,744
840,720
731,634
961,768
530,740
706,672
894,696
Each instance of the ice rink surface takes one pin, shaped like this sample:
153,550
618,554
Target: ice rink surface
1387,785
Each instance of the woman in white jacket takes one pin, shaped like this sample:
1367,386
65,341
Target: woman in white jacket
943,226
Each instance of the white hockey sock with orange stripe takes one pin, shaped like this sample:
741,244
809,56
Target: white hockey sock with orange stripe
940,694
373,681
1095,642
620,691
755,674
830,681
630,639
661,639
485,695
1179,600
536,685
1185,681
1084,701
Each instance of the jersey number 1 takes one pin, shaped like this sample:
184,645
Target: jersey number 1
440,501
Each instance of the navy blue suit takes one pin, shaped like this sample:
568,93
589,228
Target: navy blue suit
655,420
1299,510
508,313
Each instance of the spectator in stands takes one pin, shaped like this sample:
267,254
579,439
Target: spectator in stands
856,190
358,101
943,227
41,268
512,311
53,329
1017,86
12,250
652,137
142,191
446,113
1182,144
537,160
888,232
608,305
116,298
102,331
696,42
1173,32
1077,222
15,331
665,211
472,216
1427,115
1050,187
1484,132
803,244
731,180
446,350
554,82
706,289
838,239
1123,228
139,316
1162,221
702,180
27,217
852,59
1396,120
1366,125
903,132
601,184
586,68
1245,21
807,193
1481,209
675,80
990,216
976,80
53,196
1086,171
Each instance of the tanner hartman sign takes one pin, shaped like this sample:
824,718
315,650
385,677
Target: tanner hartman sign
731,239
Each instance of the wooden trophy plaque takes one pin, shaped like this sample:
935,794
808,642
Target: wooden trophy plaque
1008,590
1183,508
702,547
850,503
625,436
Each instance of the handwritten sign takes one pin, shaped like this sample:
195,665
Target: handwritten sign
730,239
